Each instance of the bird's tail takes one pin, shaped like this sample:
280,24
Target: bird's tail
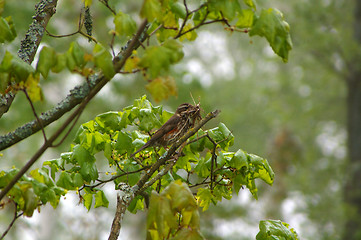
140,149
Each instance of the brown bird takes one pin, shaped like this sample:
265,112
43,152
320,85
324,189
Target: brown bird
183,119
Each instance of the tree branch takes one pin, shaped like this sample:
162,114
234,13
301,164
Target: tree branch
118,64
16,216
129,193
76,96
45,9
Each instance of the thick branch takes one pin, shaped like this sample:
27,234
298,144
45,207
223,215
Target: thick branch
45,9
128,193
76,96
102,82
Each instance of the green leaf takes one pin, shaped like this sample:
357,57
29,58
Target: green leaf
158,58
7,30
88,200
151,10
221,135
74,57
148,120
132,179
65,181
201,168
61,63
178,9
31,202
189,234
275,229
245,19
42,175
250,3
222,191
108,121
160,218
228,8
136,204
103,60
47,60
205,197
78,180
239,160
191,35
162,88
16,67
124,24
272,26
88,169
124,143
101,200
262,169
180,195
174,49
238,182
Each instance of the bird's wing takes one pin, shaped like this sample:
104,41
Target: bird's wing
166,127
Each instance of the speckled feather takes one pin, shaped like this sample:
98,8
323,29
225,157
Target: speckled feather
174,128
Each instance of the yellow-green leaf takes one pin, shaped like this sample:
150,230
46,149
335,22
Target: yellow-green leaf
7,29
47,60
103,60
33,88
250,3
204,197
161,88
189,234
161,218
87,3
88,200
124,24
151,10
245,19
101,200
131,64
191,36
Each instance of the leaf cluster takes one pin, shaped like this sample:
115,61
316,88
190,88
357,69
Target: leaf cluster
118,134
170,21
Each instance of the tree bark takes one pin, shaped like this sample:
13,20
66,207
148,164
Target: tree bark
352,190
45,9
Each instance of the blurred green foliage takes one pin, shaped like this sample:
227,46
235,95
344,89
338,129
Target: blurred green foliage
284,111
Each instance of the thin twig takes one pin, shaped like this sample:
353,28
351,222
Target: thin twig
198,184
80,26
213,160
106,4
69,130
199,25
160,174
16,216
35,114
